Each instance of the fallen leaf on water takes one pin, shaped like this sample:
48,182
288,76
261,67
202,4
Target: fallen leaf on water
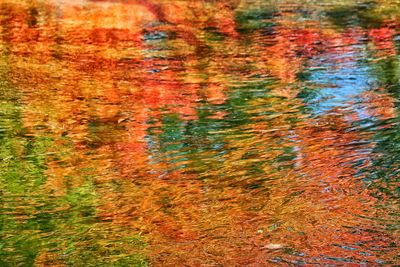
273,246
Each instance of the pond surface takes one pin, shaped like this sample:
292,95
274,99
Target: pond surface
199,133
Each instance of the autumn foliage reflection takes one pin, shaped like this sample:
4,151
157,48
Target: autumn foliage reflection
192,132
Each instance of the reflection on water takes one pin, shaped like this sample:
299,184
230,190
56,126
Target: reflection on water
199,133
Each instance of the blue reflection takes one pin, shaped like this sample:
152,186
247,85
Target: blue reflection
340,79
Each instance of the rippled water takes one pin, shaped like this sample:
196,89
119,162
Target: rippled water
199,133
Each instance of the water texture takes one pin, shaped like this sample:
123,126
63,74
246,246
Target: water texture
199,133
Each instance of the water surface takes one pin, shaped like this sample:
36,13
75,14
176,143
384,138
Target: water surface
199,133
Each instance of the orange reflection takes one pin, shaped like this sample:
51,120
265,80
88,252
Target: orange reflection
98,76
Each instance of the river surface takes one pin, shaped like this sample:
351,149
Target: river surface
199,133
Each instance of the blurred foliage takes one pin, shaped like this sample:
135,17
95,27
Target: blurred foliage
191,133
